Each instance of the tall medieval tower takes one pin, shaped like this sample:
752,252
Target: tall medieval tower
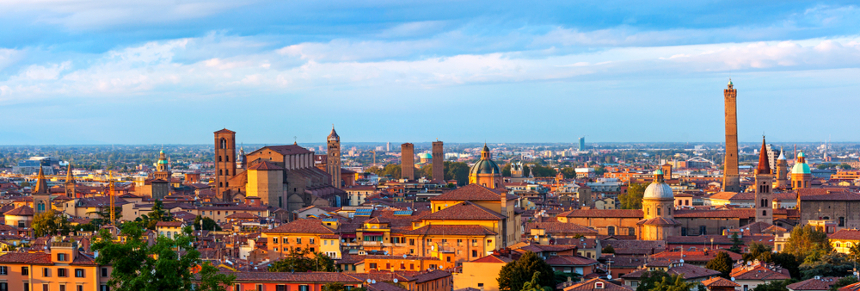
782,181
70,183
731,178
225,165
438,161
763,183
333,160
407,161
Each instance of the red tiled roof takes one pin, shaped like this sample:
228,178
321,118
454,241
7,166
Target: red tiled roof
464,211
591,285
555,227
845,234
719,282
604,213
758,273
570,261
734,213
27,258
688,271
695,256
473,192
302,226
265,166
827,194
284,150
430,276
852,287
493,259
21,211
225,131
169,224
814,284
294,277
435,229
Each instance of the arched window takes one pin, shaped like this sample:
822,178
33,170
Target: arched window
220,172
227,172
764,213
227,158
838,245
223,143
220,184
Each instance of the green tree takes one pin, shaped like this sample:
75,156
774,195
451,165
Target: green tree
736,244
633,198
649,280
506,170
721,263
50,223
599,171
842,282
787,261
674,283
137,265
303,261
457,171
534,284
569,173
608,249
807,241
212,280
829,265
333,286
775,285
561,277
516,274
757,251
541,171
208,223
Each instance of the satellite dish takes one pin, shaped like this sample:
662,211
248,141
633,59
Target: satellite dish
368,280
404,256
374,282
733,279
609,277
395,279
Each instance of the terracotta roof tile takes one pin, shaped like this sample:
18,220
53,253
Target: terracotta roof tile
719,282
814,284
734,213
302,226
436,229
591,285
39,258
845,234
493,259
561,228
758,273
604,213
21,211
294,277
464,211
473,192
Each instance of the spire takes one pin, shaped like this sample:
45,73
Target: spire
333,135
41,183
763,163
70,179
781,154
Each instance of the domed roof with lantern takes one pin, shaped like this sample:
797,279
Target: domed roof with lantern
658,189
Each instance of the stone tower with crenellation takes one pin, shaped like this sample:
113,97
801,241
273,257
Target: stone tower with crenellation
407,161
438,161
731,177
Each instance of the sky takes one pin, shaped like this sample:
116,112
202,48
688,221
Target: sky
175,71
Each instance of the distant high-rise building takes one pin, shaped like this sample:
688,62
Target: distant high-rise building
241,163
731,176
225,166
771,156
407,161
582,143
388,146
333,160
438,161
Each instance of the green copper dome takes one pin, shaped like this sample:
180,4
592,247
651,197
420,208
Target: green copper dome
801,168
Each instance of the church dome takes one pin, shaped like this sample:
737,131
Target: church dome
801,168
658,189
485,167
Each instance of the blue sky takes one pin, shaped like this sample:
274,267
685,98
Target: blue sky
153,72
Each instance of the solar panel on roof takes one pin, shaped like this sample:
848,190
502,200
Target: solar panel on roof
363,212
403,212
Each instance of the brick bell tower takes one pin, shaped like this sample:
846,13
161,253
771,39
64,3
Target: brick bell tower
333,159
225,163
731,177
438,161
763,186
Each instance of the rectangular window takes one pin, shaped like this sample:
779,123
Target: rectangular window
80,288
45,287
474,253
4,270
311,240
62,272
104,272
25,271
299,240
46,272
286,240
259,287
62,287
4,286
281,288
411,241
61,257
79,273
26,286
372,266
303,288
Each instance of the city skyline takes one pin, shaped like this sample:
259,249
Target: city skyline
112,73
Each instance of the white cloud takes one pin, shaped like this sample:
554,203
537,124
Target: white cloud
222,67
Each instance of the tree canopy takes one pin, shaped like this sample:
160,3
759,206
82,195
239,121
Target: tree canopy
649,280
457,171
50,223
807,242
516,274
140,266
721,263
208,223
303,261
633,198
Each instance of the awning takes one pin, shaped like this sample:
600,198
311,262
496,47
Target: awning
373,234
